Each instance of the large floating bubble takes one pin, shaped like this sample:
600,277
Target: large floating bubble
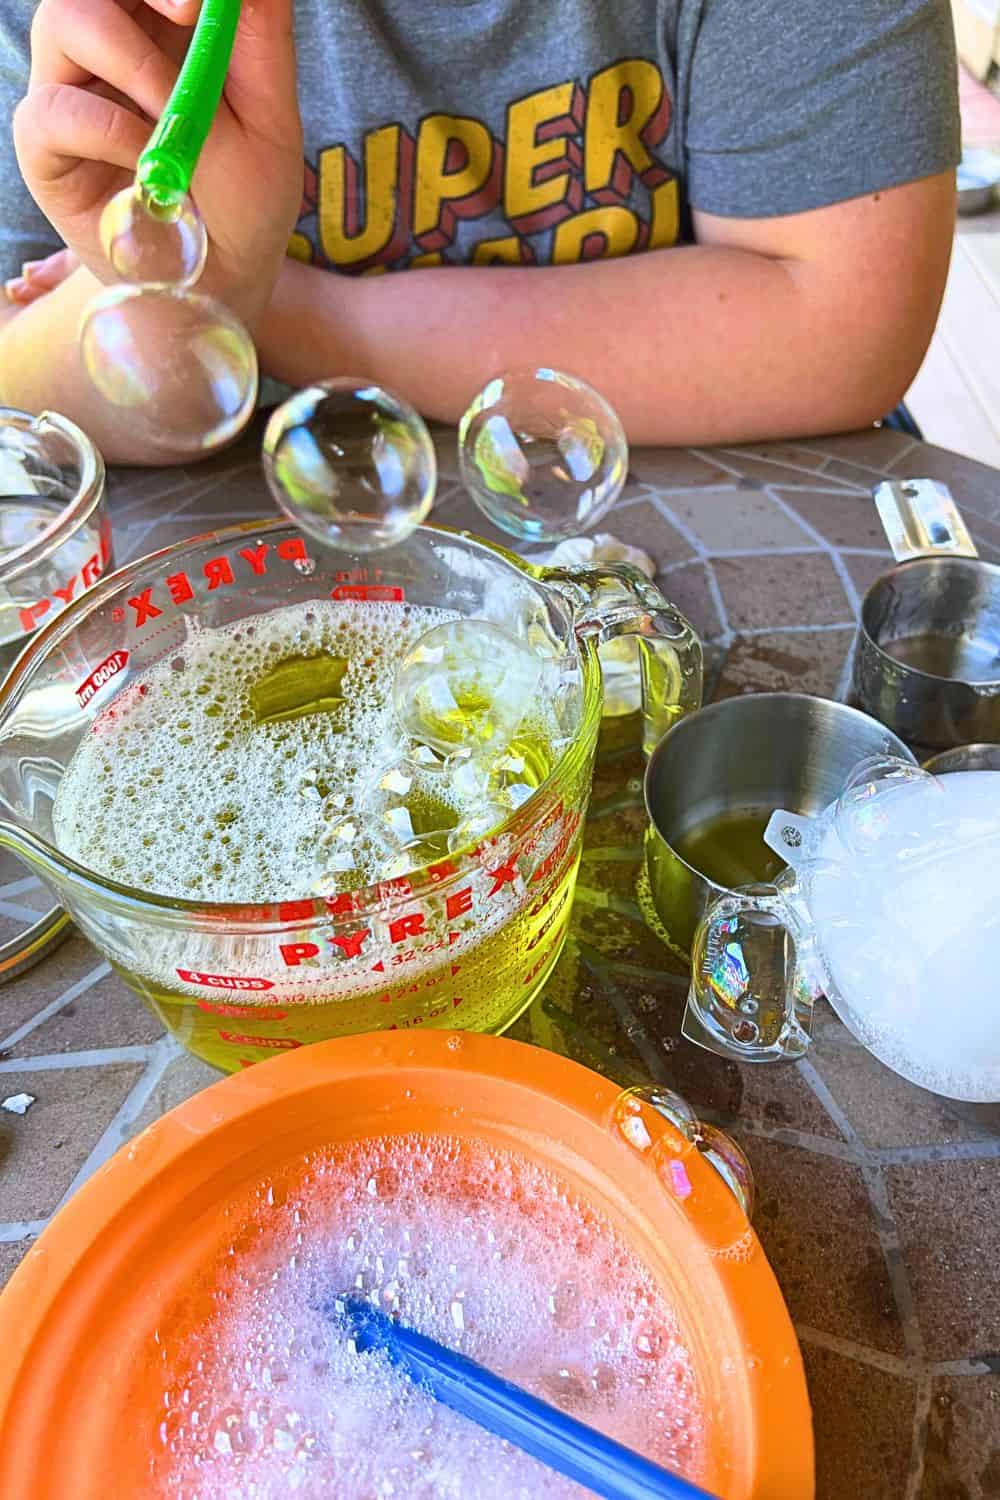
352,464
152,244
542,454
178,365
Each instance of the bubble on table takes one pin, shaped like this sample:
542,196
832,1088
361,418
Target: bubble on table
542,454
350,463
178,366
152,244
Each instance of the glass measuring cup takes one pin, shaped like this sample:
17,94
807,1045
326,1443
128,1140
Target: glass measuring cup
467,942
55,534
888,907
55,541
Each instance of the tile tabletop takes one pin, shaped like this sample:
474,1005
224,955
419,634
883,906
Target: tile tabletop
878,1204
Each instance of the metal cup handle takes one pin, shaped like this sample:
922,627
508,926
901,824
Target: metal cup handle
616,600
752,987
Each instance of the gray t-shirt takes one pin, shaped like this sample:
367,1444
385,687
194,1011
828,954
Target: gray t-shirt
517,132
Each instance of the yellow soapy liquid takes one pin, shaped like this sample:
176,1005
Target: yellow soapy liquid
261,763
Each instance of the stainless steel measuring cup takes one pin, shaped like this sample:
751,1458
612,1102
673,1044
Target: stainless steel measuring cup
716,777
927,660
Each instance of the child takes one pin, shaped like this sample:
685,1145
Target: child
733,217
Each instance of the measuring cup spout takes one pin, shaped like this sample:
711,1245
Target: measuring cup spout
617,600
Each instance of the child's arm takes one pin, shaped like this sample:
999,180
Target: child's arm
815,322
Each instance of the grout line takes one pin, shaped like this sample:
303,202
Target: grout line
817,1086
16,1230
888,1234
18,887
742,554
692,538
748,632
97,1058
19,913
898,1156
43,1015
161,1055
862,1354
839,566
918,1450
785,1135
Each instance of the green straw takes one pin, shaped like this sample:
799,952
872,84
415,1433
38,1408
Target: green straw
167,165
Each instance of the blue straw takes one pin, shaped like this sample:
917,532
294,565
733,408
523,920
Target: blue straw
548,1434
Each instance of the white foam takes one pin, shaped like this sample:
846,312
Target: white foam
478,1249
177,790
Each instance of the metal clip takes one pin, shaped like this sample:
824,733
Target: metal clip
920,519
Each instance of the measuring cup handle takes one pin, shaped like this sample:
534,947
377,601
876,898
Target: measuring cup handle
753,968
618,600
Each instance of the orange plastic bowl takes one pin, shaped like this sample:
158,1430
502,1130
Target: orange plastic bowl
78,1380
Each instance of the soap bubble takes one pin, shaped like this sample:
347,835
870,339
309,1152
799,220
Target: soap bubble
542,454
465,684
351,464
152,244
177,365
862,814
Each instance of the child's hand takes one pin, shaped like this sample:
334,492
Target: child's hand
101,72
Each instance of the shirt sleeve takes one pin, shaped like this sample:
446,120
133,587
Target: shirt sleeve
25,233
796,104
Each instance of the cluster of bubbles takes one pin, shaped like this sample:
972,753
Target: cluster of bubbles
176,363
542,454
465,695
474,1247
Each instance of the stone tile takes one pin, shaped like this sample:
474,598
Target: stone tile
641,525
842,520
27,994
730,1095
185,1076
949,1228
858,476
874,447
793,590
793,662
884,1109
688,588
42,1151
676,468
863,1422
815,1221
864,569
962,1459
737,520
794,455
106,1015
974,486
759,473
11,1256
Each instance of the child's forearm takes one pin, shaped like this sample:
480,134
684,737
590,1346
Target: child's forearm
41,370
777,329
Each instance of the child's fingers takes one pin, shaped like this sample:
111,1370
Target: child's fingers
56,126
74,43
43,275
260,85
